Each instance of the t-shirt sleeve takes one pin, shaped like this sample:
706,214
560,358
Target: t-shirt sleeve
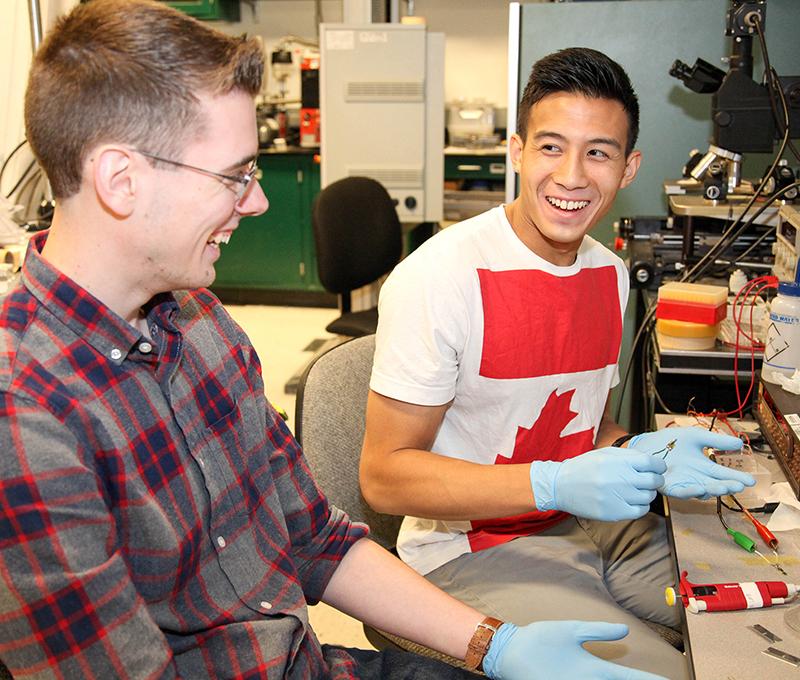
422,329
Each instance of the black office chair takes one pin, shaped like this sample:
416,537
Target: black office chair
358,238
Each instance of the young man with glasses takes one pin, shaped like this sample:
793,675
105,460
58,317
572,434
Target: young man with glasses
157,518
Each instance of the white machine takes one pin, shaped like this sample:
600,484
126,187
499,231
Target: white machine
382,111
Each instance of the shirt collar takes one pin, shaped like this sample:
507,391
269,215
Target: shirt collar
94,322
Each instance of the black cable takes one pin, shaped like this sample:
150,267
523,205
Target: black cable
700,267
9,157
719,512
720,246
21,179
728,235
755,243
648,317
31,185
773,84
742,228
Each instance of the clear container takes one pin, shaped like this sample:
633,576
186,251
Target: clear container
782,347
469,121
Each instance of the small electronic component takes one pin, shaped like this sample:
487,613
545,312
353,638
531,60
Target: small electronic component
765,633
783,656
715,597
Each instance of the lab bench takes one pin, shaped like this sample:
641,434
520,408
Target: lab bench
723,644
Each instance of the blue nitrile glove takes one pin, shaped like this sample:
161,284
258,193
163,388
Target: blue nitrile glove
609,484
690,474
552,649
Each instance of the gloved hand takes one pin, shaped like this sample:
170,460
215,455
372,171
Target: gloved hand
689,473
609,484
552,649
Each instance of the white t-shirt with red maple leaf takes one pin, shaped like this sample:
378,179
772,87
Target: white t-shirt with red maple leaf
527,351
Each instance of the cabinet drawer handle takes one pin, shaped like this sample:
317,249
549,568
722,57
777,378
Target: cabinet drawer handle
497,168
469,168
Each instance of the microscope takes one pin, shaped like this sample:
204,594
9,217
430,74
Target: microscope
746,115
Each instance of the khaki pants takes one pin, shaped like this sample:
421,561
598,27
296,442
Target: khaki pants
580,569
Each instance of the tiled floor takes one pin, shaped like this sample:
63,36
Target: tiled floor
280,335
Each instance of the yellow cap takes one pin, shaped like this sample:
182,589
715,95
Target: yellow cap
669,596
686,329
693,292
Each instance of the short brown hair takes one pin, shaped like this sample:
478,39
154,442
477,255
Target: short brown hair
127,71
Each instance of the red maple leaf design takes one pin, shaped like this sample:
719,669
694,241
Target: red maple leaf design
542,441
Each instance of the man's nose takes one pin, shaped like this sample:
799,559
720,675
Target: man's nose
571,173
254,201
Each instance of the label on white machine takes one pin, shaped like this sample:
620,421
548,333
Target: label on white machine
340,40
752,595
373,37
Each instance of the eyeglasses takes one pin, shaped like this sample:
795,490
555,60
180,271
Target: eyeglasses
243,181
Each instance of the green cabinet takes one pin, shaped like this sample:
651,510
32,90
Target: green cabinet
275,251
227,10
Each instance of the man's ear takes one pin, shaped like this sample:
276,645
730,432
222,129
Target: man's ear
515,146
113,173
631,168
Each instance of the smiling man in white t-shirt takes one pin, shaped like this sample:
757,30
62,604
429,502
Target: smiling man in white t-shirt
497,346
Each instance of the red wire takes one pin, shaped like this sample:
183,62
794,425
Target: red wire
763,282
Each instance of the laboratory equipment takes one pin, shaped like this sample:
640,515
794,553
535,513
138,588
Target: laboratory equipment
714,597
382,112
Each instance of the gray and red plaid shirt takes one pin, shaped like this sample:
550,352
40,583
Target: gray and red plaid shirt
157,518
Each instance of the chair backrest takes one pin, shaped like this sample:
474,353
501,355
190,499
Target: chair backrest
357,233
330,421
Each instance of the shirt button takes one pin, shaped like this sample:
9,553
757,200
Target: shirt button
145,347
116,354
266,605
221,542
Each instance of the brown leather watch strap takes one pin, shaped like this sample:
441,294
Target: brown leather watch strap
479,644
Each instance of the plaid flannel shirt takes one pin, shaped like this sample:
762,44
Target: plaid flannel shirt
157,518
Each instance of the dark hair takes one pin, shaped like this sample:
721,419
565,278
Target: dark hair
127,71
580,70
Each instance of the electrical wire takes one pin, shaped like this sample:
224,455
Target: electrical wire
730,235
647,320
756,286
9,157
30,167
699,268
773,84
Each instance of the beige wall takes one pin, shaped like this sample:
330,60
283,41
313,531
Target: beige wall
15,54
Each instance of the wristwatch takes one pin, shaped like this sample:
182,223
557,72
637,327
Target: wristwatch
479,644
624,438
